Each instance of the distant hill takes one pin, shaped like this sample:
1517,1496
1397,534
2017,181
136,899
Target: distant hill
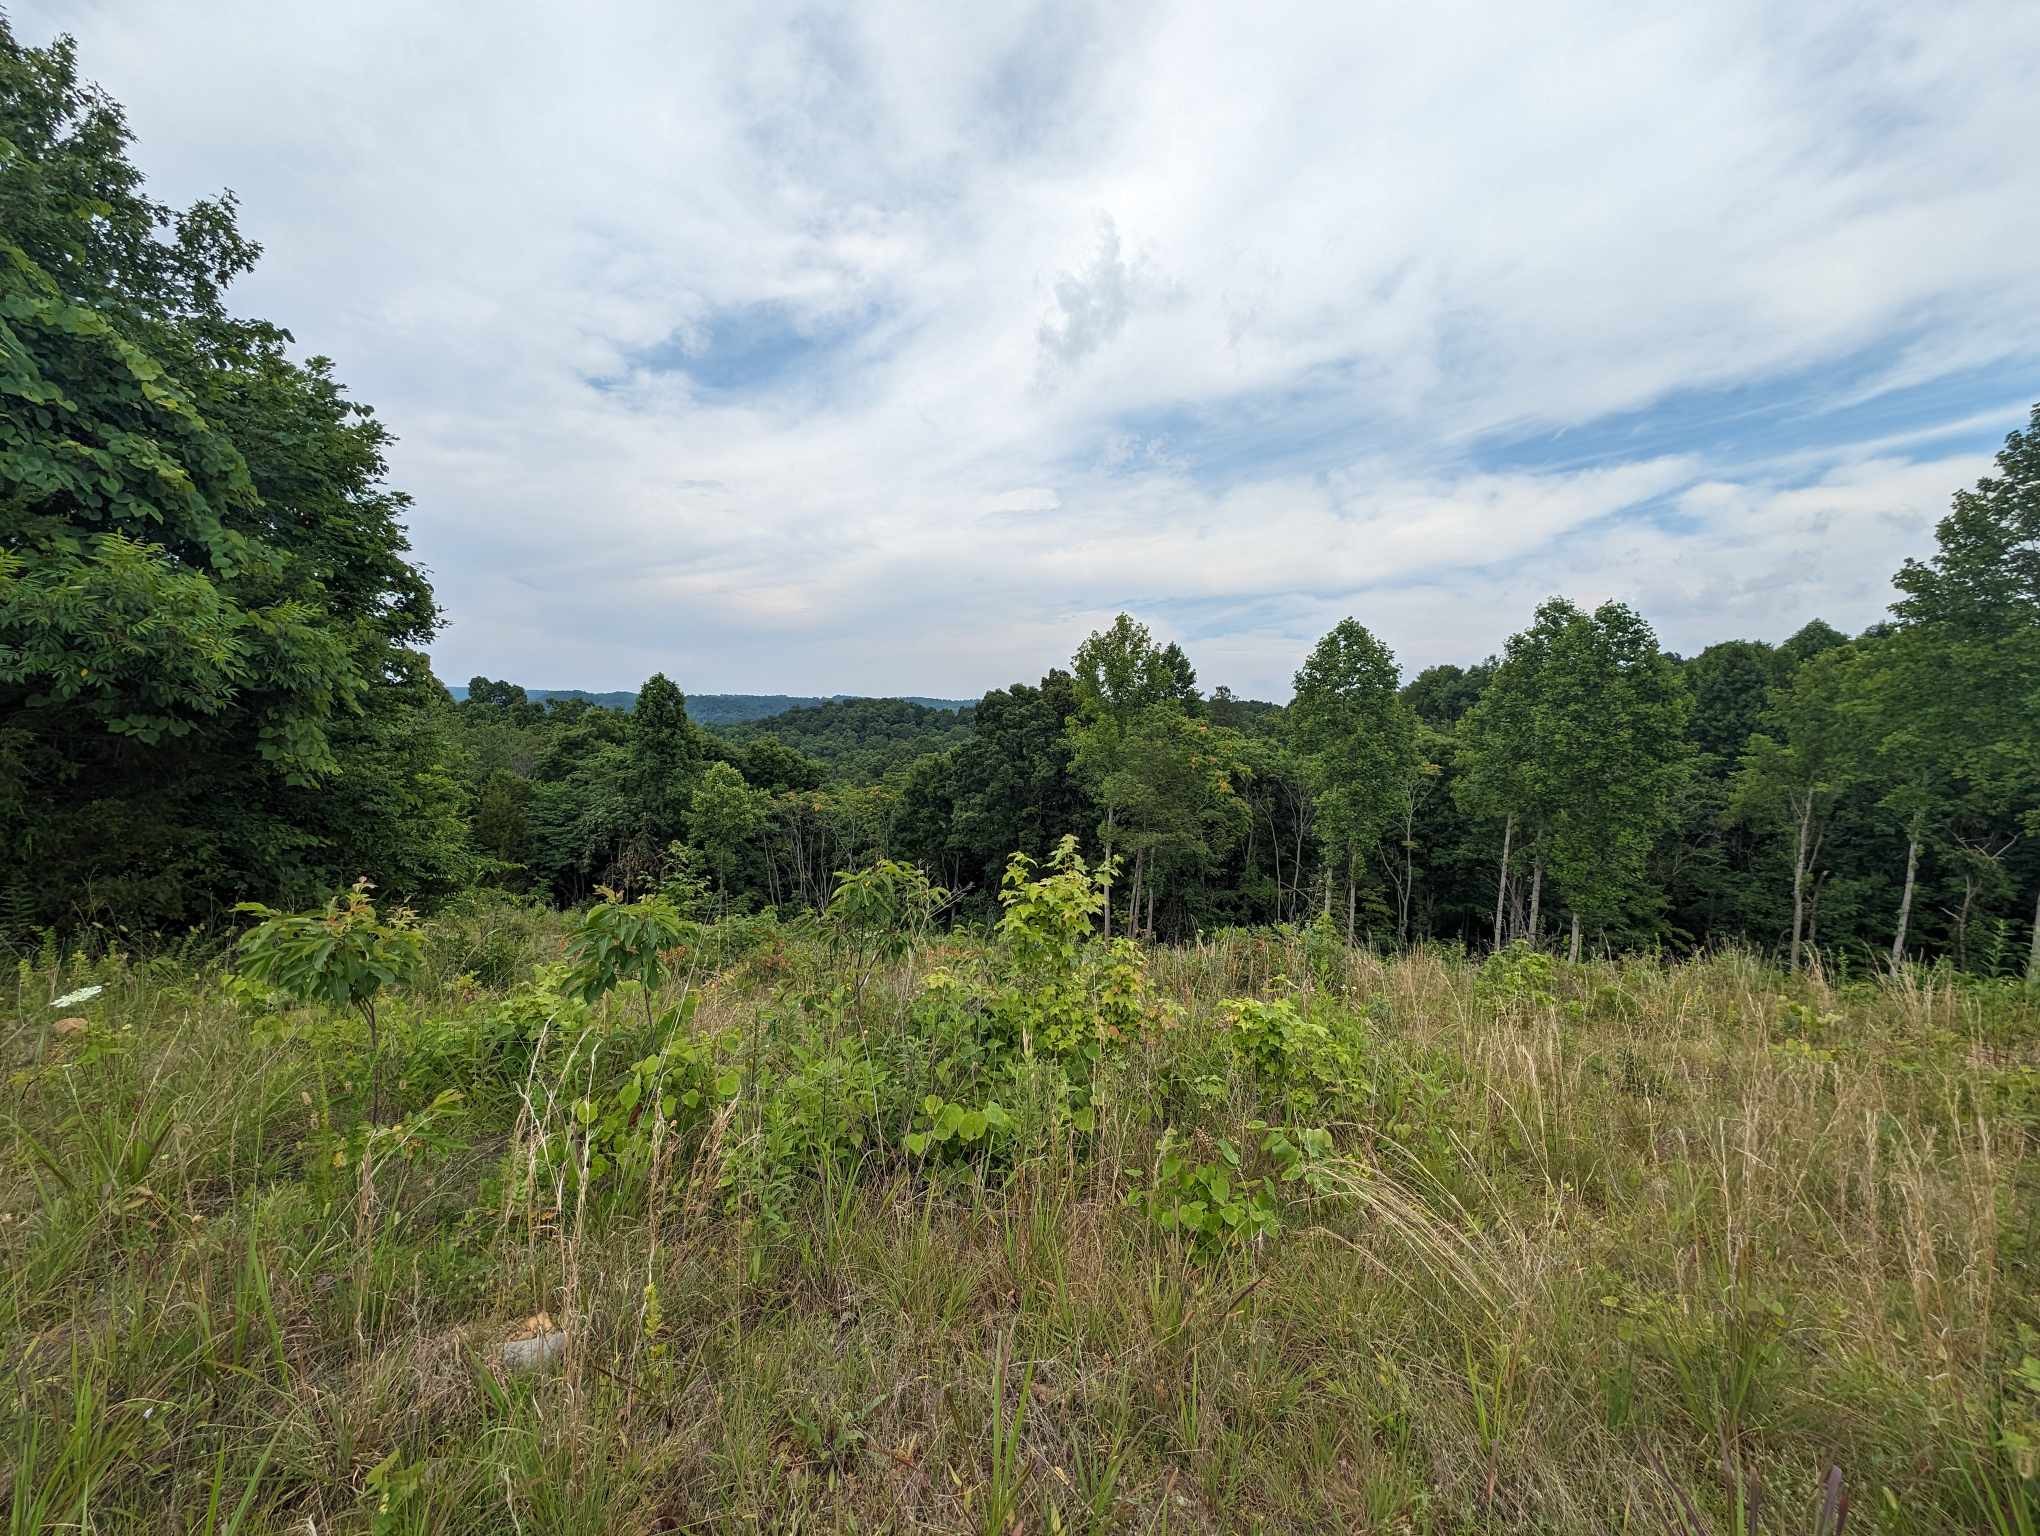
860,740
717,709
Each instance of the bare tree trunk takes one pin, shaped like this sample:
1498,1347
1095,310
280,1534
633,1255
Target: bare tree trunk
1296,869
1912,865
1536,896
2033,959
1575,938
1502,879
1110,812
1275,842
1799,863
1151,910
1409,877
1133,893
1962,921
1350,903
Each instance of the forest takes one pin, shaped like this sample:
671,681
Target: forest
1584,1089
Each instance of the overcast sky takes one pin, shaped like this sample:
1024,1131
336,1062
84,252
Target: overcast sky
889,348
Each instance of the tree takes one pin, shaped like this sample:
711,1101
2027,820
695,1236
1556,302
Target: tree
663,757
1121,675
207,614
1973,613
725,815
1580,740
1801,762
1360,740
1730,683
1440,696
1175,787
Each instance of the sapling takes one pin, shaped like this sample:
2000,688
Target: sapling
343,956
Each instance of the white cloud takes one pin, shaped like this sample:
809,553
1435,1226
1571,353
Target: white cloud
1212,307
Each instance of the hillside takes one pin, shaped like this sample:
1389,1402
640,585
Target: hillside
859,740
715,709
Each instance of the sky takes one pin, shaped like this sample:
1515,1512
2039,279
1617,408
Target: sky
891,349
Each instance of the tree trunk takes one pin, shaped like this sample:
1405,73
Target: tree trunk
1110,812
1409,870
1799,862
1536,896
1502,879
1575,938
2033,959
1296,871
1151,910
1133,893
1350,904
1912,865
1962,921
1275,843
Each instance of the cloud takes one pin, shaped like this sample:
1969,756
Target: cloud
886,348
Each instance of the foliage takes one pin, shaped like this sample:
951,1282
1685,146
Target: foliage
202,579
1212,1203
669,1093
881,913
1518,976
856,740
1293,1057
342,957
617,941
1360,740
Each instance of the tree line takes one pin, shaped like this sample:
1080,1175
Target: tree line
1873,795
213,688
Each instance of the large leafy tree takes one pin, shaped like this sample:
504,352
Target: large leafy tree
207,617
1360,739
1580,739
725,817
1804,758
1125,684
1972,613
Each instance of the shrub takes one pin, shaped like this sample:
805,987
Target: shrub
343,956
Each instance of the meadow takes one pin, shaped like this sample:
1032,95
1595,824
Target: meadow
634,1221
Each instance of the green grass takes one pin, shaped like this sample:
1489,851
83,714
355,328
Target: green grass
1597,1248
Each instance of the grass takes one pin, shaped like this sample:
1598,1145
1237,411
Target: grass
1609,1247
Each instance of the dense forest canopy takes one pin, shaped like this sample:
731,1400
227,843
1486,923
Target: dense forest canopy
717,708
213,687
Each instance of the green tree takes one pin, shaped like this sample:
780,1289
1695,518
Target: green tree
1972,613
1014,786
343,957
1122,676
1360,740
208,619
1798,766
1176,785
1440,696
1579,739
725,817
663,758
